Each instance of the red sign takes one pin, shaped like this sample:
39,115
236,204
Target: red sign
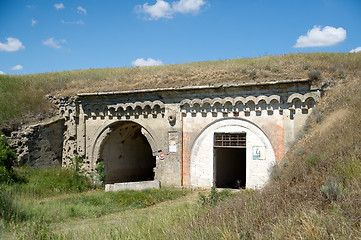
161,155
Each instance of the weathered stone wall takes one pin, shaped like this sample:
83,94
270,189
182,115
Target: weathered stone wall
39,145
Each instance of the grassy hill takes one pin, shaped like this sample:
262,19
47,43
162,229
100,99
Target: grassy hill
22,97
314,193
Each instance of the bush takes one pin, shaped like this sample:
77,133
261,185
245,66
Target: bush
100,171
314,75
79,181
253,74
332,190
7,159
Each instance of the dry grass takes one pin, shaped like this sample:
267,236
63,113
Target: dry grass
294,205
22,95
292,66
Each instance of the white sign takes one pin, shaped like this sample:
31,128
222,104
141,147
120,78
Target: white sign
172,148
259,153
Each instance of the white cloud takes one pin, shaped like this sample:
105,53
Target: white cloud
356,50
317,37
12,45
51,42
59,6
2,73
141,62
80,22
33,22
188,6
81,10
17,67
162,9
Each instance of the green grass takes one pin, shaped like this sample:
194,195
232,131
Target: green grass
132,222
141,223
93,204
50,182
51,195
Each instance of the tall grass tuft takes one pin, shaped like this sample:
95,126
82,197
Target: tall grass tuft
52,182
10,211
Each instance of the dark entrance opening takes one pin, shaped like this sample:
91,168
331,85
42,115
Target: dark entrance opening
127,155
230,160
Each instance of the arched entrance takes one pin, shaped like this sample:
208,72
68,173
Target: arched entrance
231,152
126,154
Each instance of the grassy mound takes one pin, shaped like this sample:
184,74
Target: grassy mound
24,95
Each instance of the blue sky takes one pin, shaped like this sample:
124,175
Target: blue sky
39,36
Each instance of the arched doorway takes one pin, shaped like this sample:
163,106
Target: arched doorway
126,154
231,152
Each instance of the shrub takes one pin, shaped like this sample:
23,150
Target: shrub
341,74
275,70
100,171
79,181
306,66
333,190
314,75
253,74
7,159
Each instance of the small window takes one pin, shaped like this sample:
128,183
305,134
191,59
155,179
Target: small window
230,139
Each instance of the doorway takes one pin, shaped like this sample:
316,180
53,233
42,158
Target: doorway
127,155
230,160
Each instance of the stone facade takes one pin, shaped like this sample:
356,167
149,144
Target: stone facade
169,135
178,127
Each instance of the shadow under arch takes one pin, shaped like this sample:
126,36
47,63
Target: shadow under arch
202,170
127,150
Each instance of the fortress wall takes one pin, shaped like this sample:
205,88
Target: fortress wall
178,125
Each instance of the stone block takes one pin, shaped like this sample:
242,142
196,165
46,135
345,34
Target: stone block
132,186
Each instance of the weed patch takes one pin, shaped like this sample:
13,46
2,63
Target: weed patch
313,160
213,198
333,190
52,182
